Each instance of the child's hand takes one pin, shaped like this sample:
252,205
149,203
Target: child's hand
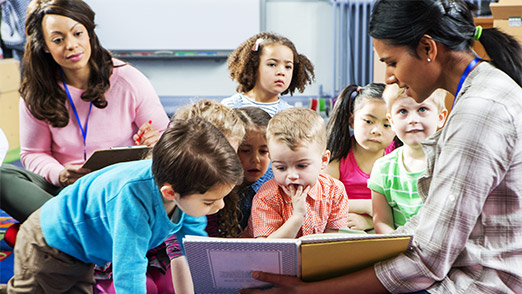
298,196
359,222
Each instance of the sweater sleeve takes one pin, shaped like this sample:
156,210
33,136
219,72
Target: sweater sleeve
35,142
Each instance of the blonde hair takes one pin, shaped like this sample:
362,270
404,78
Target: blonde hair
296,126
222,117
393,92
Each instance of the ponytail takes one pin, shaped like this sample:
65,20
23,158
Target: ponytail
505,52
338,129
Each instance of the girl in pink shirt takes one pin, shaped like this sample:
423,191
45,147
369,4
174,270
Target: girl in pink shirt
358,134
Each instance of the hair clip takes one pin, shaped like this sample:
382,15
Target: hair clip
478,33
358,89
256,45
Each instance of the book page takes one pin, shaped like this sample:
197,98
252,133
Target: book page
232,269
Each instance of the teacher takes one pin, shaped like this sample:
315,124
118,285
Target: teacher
76,99
468,236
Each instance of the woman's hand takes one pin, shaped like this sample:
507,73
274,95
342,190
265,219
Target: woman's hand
360,222
71,173
282,284
146,135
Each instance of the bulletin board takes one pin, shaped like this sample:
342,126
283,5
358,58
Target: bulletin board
175,27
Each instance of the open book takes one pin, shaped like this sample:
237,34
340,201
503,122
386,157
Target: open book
105,157
224,265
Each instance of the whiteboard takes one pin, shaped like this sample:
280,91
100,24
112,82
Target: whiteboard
152,25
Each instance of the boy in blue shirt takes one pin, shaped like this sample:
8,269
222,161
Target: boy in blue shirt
118,213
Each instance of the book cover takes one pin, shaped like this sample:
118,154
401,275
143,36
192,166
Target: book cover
224,265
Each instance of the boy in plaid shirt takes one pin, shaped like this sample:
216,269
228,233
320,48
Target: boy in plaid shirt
299,200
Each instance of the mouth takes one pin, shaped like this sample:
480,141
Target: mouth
375,141
415,131
280,82
253,171
75,57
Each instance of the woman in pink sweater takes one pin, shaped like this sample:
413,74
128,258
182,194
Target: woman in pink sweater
76,98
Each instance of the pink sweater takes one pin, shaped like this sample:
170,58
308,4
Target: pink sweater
132,101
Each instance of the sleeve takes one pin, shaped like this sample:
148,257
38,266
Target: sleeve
191,226
376,182
130,243
267,212
338,217
173,247
35,142
149,106
467,169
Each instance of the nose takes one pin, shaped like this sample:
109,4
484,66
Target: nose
255,158
281,70
376,130
219,204
71,43
413,118
390,76
293,174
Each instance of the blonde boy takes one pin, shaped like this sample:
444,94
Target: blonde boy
393,180
299,200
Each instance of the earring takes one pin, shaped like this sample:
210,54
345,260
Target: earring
429,59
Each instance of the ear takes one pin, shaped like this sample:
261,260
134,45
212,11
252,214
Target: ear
427,49
351,120
168,192
325,159
442,118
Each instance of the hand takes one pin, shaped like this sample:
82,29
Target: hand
359,222
146,135
71,173
282,284
298,198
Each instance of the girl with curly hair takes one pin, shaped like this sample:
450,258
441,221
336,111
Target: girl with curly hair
266,66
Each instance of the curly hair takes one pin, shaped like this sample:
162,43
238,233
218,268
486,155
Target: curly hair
243,63
40,89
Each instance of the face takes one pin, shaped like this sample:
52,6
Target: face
406,70
276,65
253,153
371,128
202,204
413,122
67,41
300,167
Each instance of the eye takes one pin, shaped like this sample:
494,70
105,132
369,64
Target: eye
280,168
368,121
302,165
57,40
208,203
78,34
402,111
244,150
423,109
271,64
289,67
391,64
264,152
387,125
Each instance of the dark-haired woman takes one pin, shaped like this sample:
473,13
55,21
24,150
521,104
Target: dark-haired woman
468,236
76,99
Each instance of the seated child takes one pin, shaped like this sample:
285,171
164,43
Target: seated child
253,153
266,66
299,200
393,180
118,213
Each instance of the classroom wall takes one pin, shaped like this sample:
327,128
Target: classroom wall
308,23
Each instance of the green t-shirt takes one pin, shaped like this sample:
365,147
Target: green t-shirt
390,178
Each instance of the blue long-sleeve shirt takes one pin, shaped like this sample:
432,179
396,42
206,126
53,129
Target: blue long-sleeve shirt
115,214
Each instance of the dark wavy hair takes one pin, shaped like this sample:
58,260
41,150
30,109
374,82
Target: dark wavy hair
448,22
194,156
243,63
40,88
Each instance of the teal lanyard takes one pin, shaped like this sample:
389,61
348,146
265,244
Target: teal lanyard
470,66
84,131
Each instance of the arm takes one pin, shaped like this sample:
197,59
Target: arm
359,217
363,281
181,277
382,214
361,206
292,226
333,169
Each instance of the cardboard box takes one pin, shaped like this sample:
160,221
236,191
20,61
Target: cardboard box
507,16
9,99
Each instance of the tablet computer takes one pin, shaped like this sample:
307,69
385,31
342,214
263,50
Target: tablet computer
105,157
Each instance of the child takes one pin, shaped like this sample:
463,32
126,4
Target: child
299,200
253,153
363,110
393,180
160,277
265,66
116,214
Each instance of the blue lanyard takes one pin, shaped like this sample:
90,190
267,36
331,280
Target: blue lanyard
470,66
84,131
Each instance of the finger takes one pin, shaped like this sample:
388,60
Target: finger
286,190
